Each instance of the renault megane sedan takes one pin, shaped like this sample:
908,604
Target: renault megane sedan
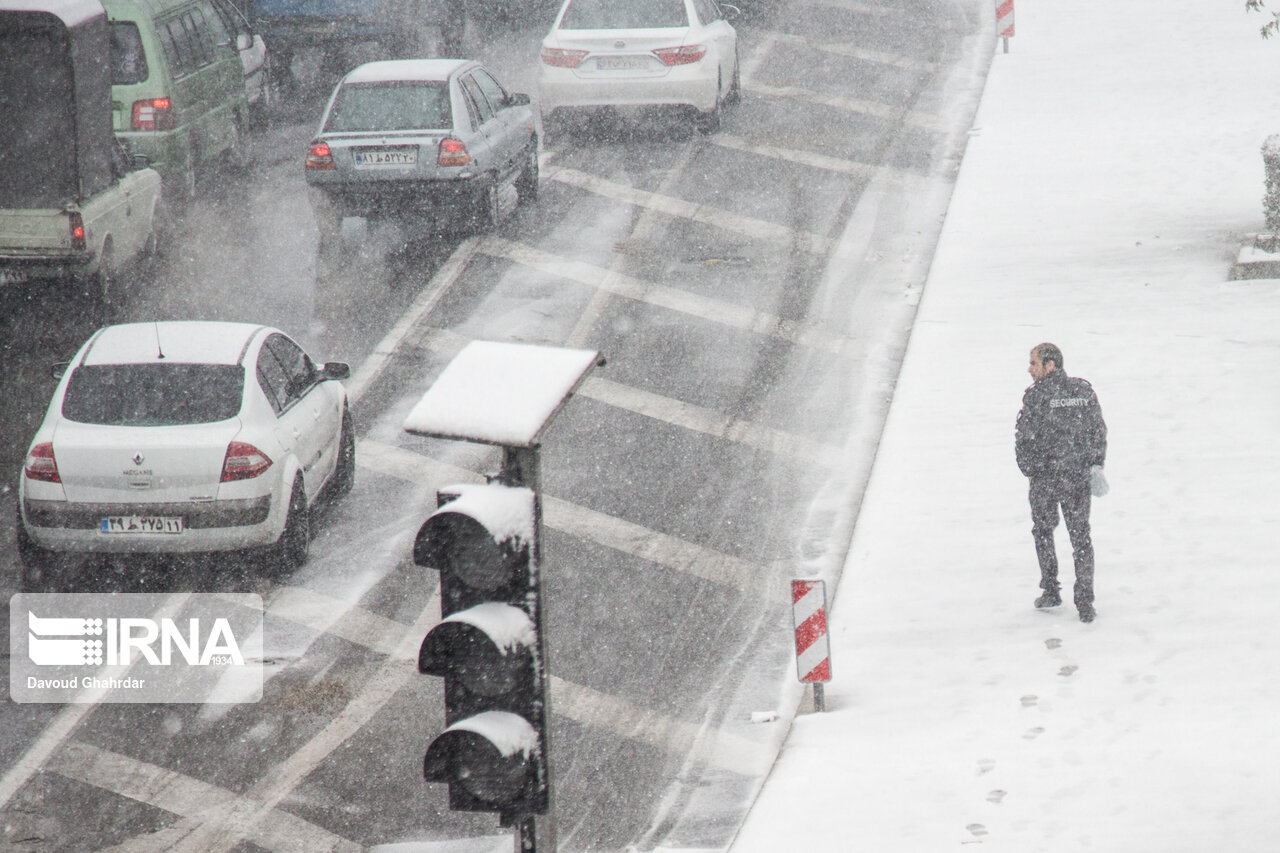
185,437
640,54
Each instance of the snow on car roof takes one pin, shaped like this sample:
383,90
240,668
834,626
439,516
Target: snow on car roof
186,342
71,12
404,69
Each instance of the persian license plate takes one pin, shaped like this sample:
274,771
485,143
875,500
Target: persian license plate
140,524
368,158
13,276
621,63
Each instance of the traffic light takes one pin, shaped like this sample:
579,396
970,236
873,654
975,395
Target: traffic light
488,648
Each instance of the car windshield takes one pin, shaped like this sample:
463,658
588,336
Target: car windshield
624,14
418,105
153,394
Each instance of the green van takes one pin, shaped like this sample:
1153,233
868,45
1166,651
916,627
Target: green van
178,90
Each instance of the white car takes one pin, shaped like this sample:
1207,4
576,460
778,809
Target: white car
185,437
640,53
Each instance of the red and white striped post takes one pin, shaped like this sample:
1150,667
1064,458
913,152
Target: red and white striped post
813,648
1004,21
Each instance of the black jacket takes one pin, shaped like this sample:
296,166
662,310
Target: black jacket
1060,428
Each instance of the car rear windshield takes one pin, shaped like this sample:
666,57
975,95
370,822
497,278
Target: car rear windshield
153,394
417,105
623,14
128,60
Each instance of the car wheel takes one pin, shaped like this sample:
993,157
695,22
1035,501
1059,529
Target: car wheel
527,183
290,550
98,286
735,88
489,206
710,122
37,562
261,109
344,473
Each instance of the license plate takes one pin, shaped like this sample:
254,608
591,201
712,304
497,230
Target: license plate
13,276
140,524
621,63
367,158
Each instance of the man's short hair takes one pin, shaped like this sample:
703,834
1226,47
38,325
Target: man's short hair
1050,352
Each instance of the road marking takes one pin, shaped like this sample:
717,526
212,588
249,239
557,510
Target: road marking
228,824
708,421
661,296
756,229
186,797
855,51
69,718
816,160
377,360
924,121
583,523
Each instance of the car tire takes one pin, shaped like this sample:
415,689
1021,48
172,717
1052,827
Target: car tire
735,88
290,551
344,472
709,122
527,183
37,563
102,282
489,205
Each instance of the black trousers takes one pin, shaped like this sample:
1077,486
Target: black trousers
1070,491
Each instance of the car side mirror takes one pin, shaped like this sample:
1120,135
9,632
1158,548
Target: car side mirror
336,370
518,99
140,161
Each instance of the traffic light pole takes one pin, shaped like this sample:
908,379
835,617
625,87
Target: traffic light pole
486,541
522,468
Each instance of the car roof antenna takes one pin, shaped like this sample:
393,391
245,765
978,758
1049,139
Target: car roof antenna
159,350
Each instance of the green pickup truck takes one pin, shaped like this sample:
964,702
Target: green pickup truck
73,204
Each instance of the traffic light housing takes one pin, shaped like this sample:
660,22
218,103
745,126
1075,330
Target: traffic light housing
488,648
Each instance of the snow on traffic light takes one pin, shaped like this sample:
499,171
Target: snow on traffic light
488,649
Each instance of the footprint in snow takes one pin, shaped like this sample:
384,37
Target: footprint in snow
1032,734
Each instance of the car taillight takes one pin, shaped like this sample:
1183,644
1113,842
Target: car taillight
76,222
41,465
320,156
452,153
683,55
243,462
152,114
561,58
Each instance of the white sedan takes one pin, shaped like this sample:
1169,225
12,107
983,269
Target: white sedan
185,437
640,53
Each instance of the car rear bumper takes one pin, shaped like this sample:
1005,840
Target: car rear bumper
212,526
391,198
18,267
692,86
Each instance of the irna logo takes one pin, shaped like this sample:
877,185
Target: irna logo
63,641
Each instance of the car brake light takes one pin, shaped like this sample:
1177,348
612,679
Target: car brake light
243,462
77,230
152,114
320,156
452,153
561,58
683,55
41,465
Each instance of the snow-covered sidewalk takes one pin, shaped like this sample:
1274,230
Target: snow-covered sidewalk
1111,177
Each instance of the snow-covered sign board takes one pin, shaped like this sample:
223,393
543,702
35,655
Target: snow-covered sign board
500,393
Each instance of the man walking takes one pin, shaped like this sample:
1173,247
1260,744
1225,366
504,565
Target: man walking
1061,445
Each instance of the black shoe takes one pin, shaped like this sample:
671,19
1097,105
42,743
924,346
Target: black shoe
1087,613
1049,599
